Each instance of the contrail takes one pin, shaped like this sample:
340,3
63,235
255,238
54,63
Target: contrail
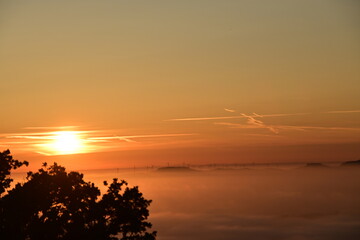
130,137
350,111
235,117
229,110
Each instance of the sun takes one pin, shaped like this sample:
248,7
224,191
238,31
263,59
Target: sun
67,142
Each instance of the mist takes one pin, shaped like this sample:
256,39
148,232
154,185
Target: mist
264,202
248,203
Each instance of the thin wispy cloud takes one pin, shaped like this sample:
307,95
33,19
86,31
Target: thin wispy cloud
41,137
302,128
90,140
44,134
142,136
257,115
347,111
238,125
235,117
249,126
262,135
284,127
53,128
252,121
229,110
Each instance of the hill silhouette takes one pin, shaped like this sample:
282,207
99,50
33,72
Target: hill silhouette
315,165
351,163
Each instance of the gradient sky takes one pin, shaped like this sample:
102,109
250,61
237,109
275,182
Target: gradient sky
158,72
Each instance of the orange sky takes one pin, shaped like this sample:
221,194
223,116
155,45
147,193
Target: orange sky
158,82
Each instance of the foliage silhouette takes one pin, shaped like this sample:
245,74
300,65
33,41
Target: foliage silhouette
6,164
55,204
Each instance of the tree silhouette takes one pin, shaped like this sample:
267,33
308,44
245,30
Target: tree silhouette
6,164
55,204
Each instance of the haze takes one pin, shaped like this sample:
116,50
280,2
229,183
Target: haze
99,86
128,67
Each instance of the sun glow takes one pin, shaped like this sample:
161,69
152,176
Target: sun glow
67,142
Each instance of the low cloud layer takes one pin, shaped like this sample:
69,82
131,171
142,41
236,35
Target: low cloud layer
296,203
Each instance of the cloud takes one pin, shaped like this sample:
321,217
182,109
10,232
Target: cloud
252,121
251,125
55,128
229,110
348,111
130,137
258,124
90,140
293,204
235,117
31,134
303,128
220,226
256,115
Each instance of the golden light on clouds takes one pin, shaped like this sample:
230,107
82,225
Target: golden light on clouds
63,142
284,73
66,142
239,129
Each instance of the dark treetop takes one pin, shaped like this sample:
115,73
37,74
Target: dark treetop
55,204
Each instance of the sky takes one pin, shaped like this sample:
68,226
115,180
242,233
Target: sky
108,83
